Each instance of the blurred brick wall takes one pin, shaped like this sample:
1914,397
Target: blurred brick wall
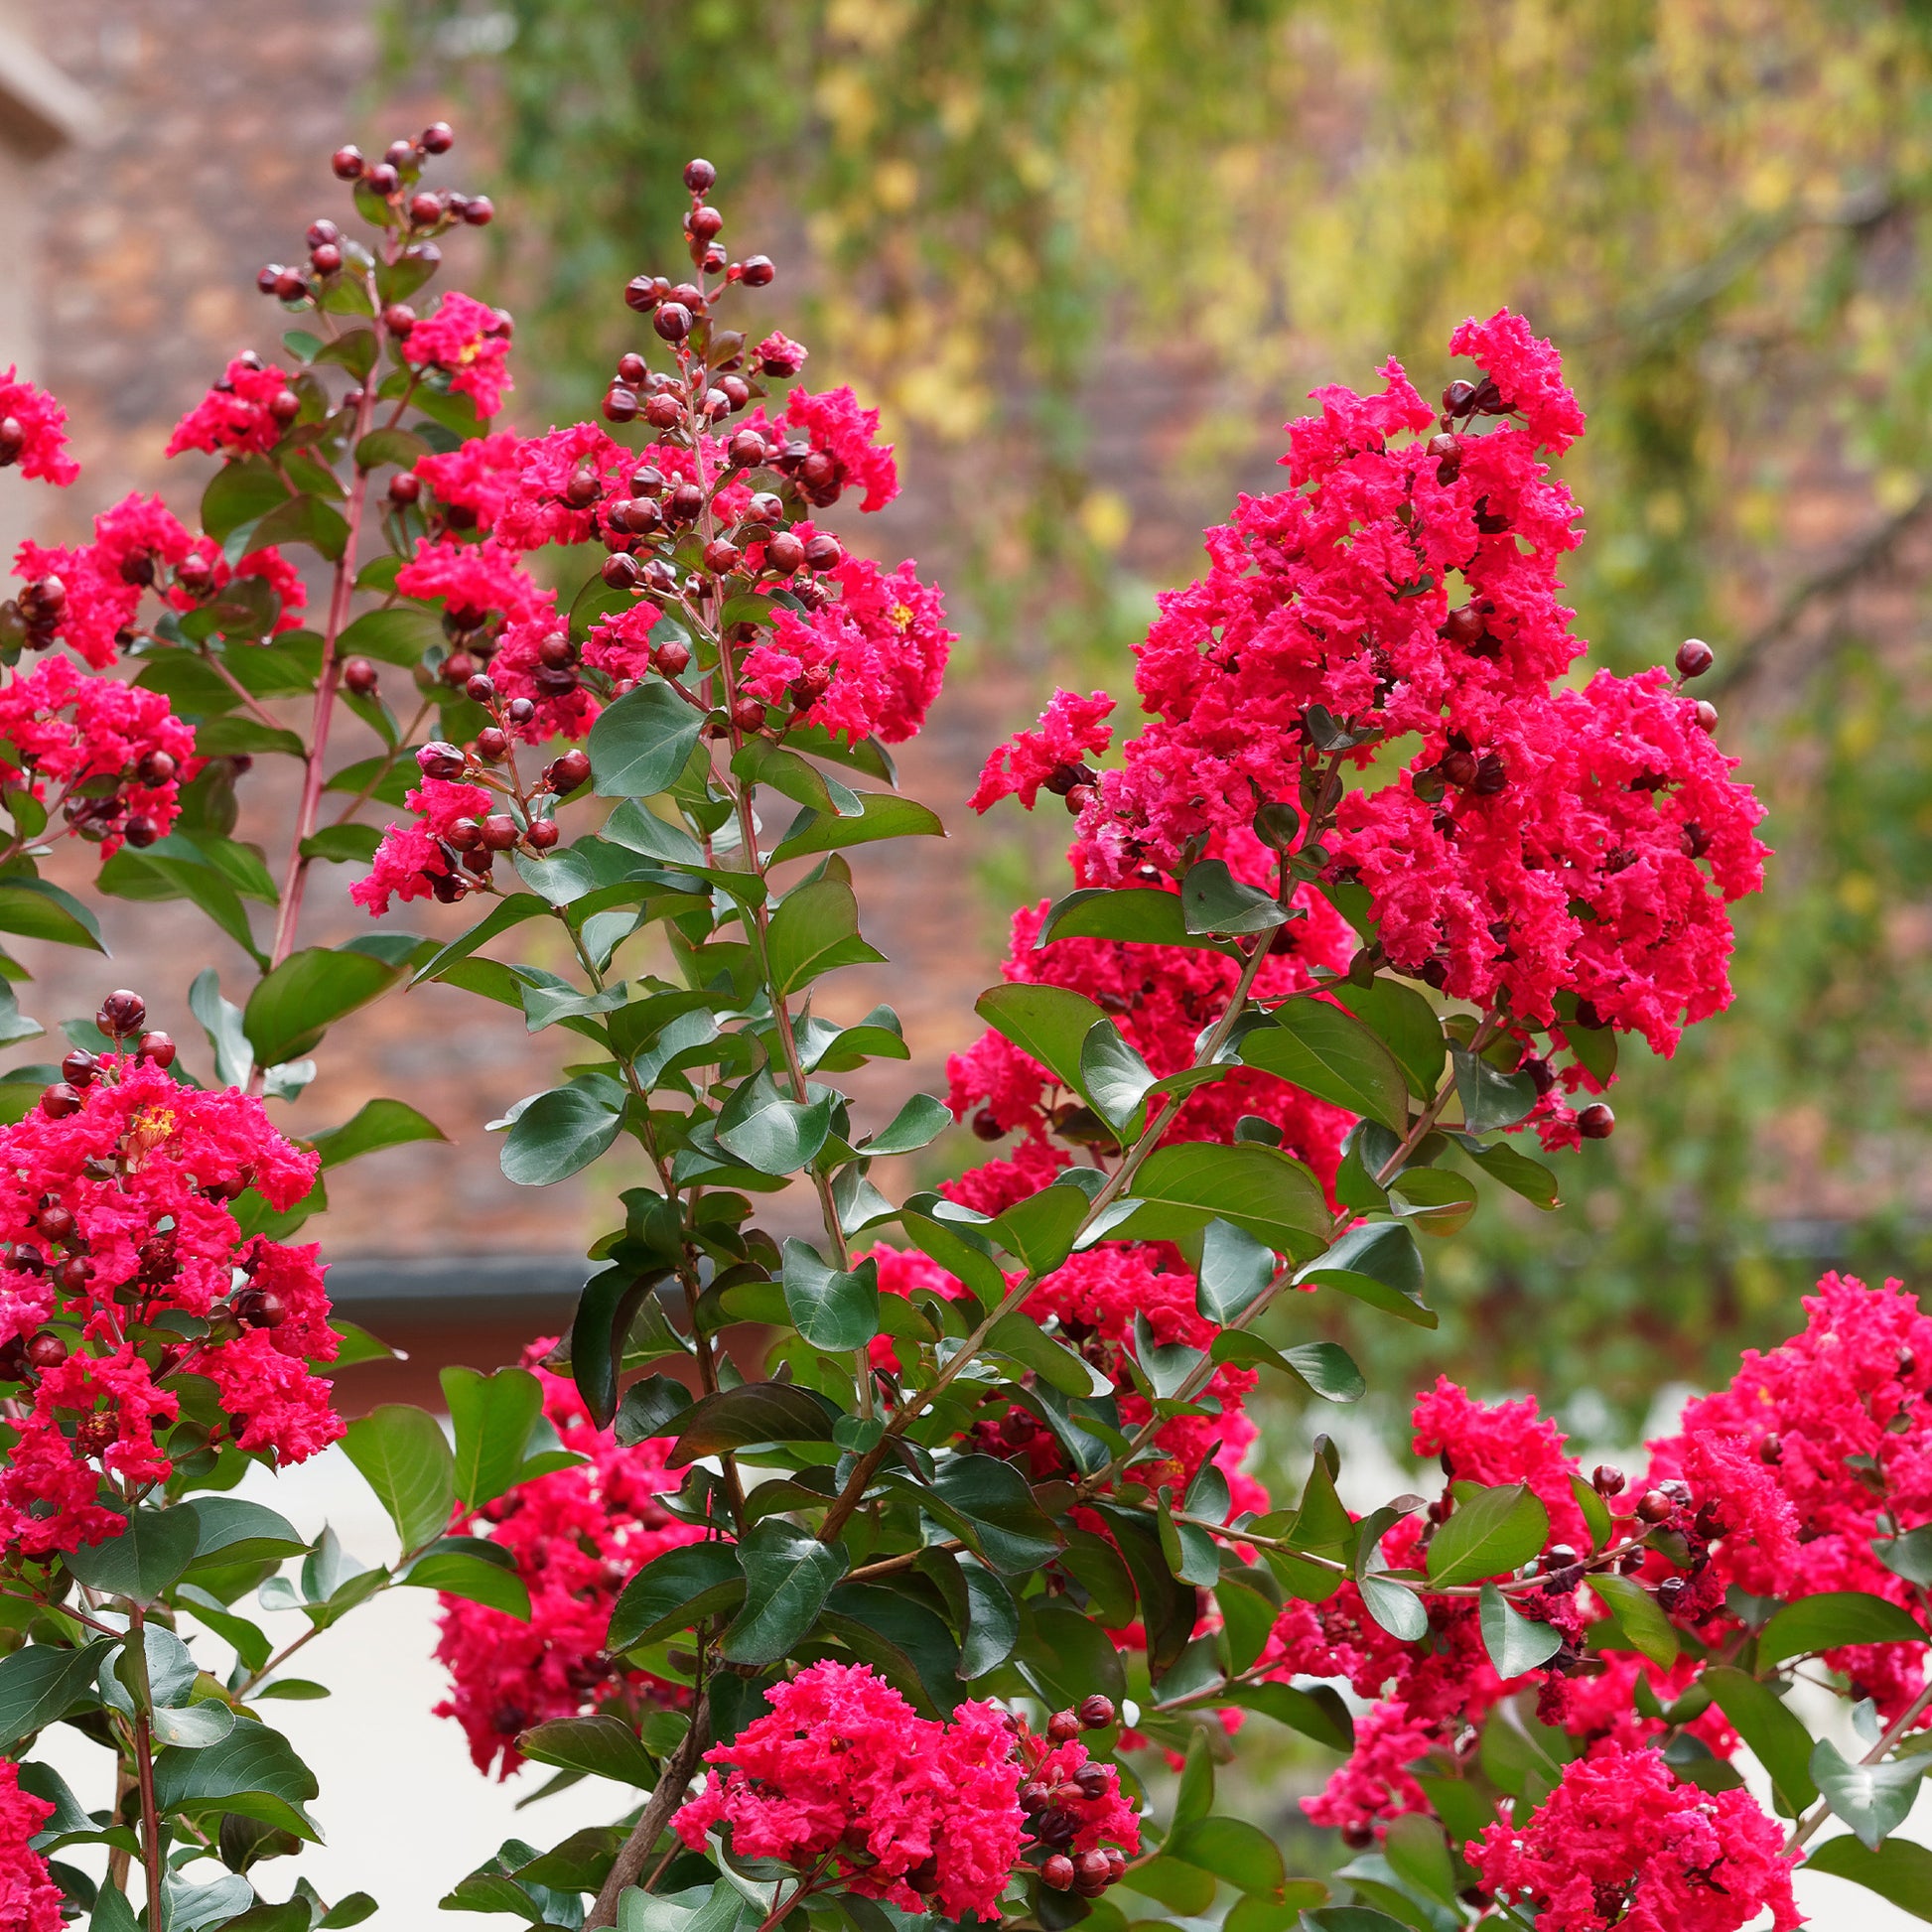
206,158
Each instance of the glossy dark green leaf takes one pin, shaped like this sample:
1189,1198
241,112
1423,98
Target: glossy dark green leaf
651,1407
1264,1192
141,1562
1490,1099
815,930
1020,1339
1048,1024
1832,1619
291,1010
1147,916
559,1132
375,1125
1323,1052
492,1417
761,761
405,1459
1066,1655
992,1620
1318,1714
1874,1799
39,1682
1236,1271
605,1312
1516,1643
832,1310
642,742
1433,1199
600,1745
1406,1024
1644,1625
1490,1533
753,1413
304,518
240,493
1777,1737
38,910
1900,1871
1377,1263
674,1591
1041,1228
1113,1076
400,447
1212,900
230,1530
770,1132
1395,1608
252,1772
468,1574
1516,1171
881,816
788,1574
1233,1849
919,1122
991,1497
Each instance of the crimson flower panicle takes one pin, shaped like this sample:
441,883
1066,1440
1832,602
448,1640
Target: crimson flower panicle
33,431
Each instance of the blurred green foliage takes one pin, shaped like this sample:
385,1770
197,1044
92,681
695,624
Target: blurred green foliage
1090,253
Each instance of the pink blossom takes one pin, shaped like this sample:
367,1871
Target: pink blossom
1069,727
411,859
475,480
42,452
30,1900
469,341
238,415
846,434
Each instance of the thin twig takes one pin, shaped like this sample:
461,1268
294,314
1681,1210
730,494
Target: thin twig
629,1865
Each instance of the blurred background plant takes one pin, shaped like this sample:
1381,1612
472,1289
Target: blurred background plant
1719,210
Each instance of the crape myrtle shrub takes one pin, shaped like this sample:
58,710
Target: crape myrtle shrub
887,1632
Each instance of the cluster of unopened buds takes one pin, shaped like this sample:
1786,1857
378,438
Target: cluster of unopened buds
123,1017
387,192
474,843
1050,1807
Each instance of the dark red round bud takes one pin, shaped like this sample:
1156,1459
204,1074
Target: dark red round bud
1091,1873
1463,626
986,1127
567,772
1492,777
122,1012
492,744
348,164
672,657
1596,1121
632,369
672,321
463,835
437,138
824,552
620,404
543,834
405,488
1694,657
479,211
194,574
140,831
747,448
1607,1480
440,759
721,556
382,179
399,319
748,714
1058,1873
621,572
704,223
783,554
638,516
1358,1837
757,272
500,832
322,232
266,279
664,410
1062,1727
1707,715
555,650
60,1100
47,1350
79,1069
1096,1713
684,503
156,768
698,175
266,1310
158,1049
640,293
480,689
765,508
55,1222
458,668
291,286
1458,398
520,711
660,577
738,392
1458,769
401,153
362,677
286,407
326,258
1653,1506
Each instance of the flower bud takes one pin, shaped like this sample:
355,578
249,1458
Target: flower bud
382,179
326,258
704,223
747,448
640,293
1694,657
437,138
757,272
620,404
362,677
79,1069
748,714
479,689
566,772
479,211
47,1350
785,554
621,572
1096,1713
542,834
463,835
405,488
492,743
500,832
672,657
346,164
672,321
122,1012
1596,1121
824,552
1058,1873
399,319
520,711
158,1049
1062,1728
721,556
440,759
1653,1506
1705,715
699,175
60,1100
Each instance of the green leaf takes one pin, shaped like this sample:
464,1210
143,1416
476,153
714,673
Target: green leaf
1898,1872
1041,1228
1318,1714
881,816
674,1591
38,910
1321,1049
306,519
1328,1369
492,1417
1259,1189
992,1620
506,913
1048,1024
834,1312
1831,1620
1515,1642
1776,1736
1434,1199
1490,1533
404,1458
1490,1099
759,762
240,493
1406,1024
1516,1171
1377,1263
253,1772
375,1124
456,1567
815,930
1596,1512
1908,1556
641,743
1236,1271
1112,1074
605,1312
400,447
599,1746
1643,1624
560,1132
1212,900
1019,1339
788,1573
291,1010
343,845
1874,1799
167,874
649,1407
1186,1889
231,1530
1395,1608
39,1682
991,1499
918,1124
147,1556
1231,1849
759,1126
753,1413
1146,916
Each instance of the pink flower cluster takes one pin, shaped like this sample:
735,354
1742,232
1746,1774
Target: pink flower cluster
578,1536
1621,1843
38,440
843,1776
468,340
30,1900
843,433
417,861
116,1211
246,412
61,730
139,543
